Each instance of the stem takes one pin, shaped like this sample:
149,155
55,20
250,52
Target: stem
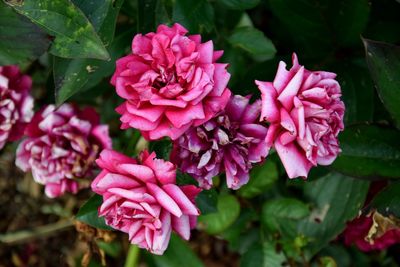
38,232
133,256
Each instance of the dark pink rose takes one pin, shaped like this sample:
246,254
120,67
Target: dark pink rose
305,114
231,143
16,104
141,198
62,145
170,82
357,231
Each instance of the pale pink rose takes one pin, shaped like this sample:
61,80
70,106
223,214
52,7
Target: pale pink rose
305,114
62,145
170,82
16,104
141,198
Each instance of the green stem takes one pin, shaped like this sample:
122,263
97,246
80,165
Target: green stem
38,232
133,256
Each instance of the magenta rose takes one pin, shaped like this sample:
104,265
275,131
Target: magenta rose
170,82
305,114
16,104
62,145
357,231
231,142
141,198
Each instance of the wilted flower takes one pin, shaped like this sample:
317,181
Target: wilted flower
368,235
141,198
61,145
16,104
305,114
357,232
170,82
231,142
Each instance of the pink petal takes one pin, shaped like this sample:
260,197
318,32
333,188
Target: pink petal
181,199
293,159
164,199
181,117
291,89
182,226
140,172
269,107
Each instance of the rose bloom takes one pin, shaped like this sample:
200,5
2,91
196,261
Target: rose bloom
305,114
170,82
140,198
357,230
16,104
61,145
231,142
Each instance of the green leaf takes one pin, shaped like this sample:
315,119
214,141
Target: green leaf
387,201
89,215
178,254
369,151
195,15
228,210
264,255
262,178
74,35
77,75
146,15
317,27
357,91
16,35
103,16
243,233
336,199
253,42
384,65
349,19
207,201
278,211
240,4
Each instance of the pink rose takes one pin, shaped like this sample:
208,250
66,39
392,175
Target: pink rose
141,198
170,82
16,104
305,114
61,145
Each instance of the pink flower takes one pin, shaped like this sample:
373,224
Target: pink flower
231,142
357,231
16,104
170,82
141,198
61,145
305,114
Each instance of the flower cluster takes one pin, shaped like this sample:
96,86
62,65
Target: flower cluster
141,198
61,145
170,82
172,86
16,104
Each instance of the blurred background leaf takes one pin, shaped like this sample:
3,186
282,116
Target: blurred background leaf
16,35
